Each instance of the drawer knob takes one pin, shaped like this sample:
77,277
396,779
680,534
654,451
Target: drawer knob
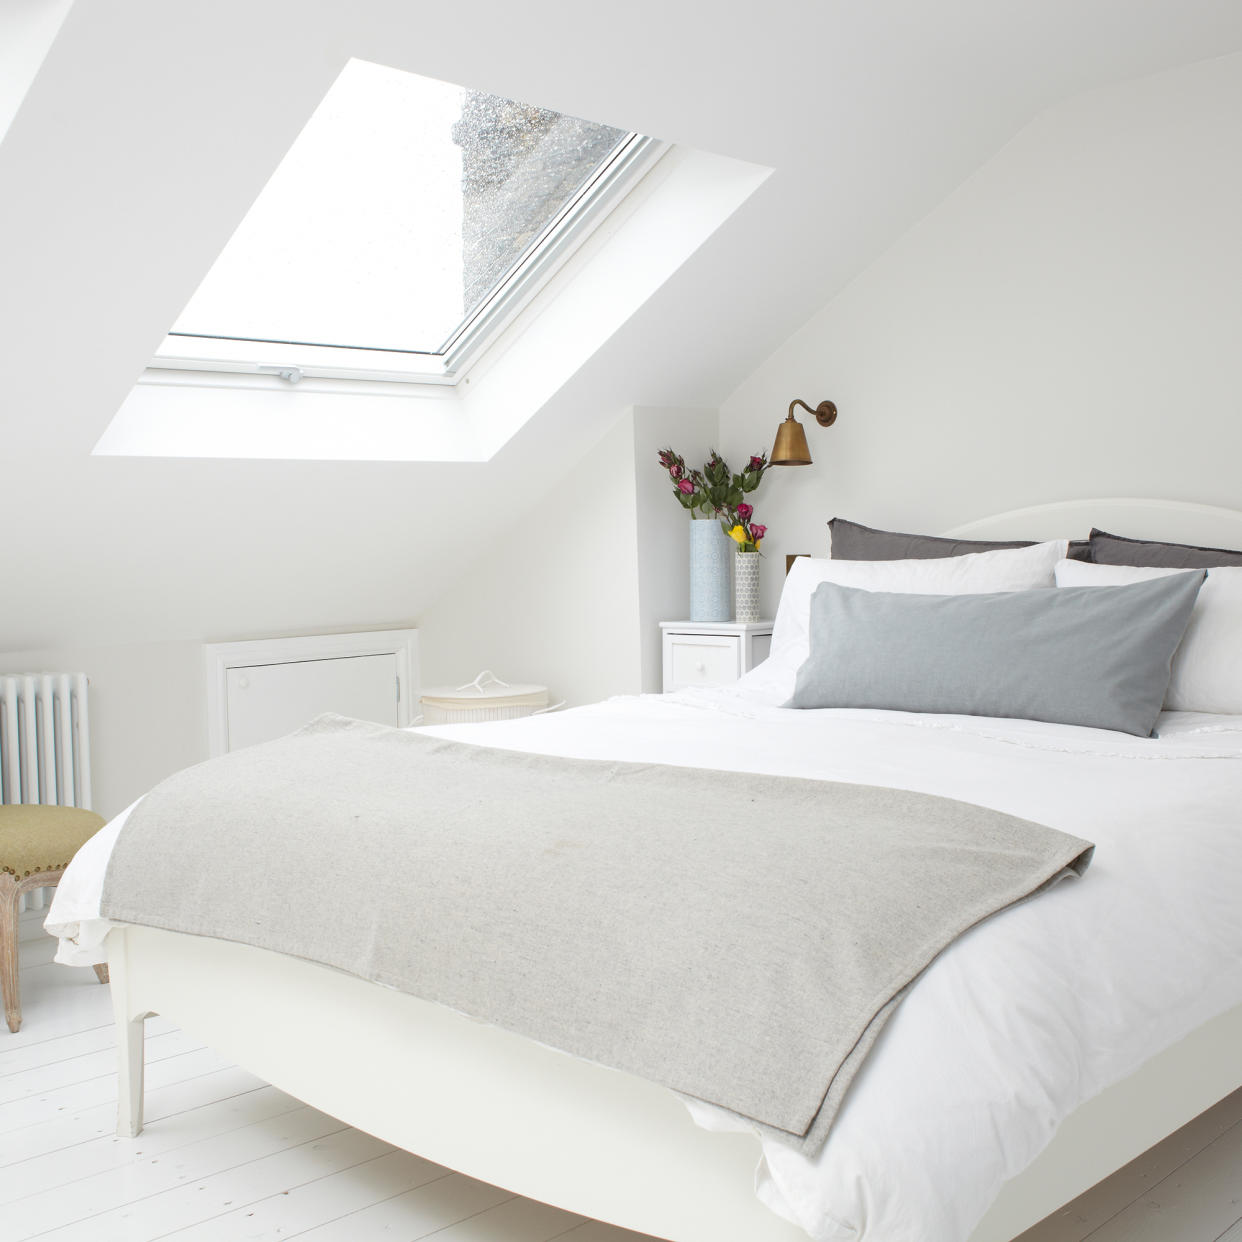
700,667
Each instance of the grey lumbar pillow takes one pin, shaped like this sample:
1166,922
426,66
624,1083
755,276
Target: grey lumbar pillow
1096,656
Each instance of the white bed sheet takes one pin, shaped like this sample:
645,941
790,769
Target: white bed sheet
1022,1019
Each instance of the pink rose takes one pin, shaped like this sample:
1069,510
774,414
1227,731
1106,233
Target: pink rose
758,532
676,471
744,510
756,463
685,487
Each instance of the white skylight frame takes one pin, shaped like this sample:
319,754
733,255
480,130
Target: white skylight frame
566,232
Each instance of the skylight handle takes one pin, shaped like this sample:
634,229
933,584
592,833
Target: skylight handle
292,375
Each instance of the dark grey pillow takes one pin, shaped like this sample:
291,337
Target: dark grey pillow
1109,549
1096,656
852,541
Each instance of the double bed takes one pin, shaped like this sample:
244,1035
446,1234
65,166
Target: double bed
1039,1052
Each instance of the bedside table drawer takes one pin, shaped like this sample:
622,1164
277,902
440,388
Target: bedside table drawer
701,660
712,653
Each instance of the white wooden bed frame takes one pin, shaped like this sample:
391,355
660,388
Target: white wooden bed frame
591,1140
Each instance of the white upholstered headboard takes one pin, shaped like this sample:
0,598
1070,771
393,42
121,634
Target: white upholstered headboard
1173,520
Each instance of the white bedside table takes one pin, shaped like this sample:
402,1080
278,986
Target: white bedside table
712,653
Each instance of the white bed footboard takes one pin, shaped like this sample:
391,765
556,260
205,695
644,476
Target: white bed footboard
480,1100
1121,1123
591,1140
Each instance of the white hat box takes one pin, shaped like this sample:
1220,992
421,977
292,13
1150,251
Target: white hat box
484,698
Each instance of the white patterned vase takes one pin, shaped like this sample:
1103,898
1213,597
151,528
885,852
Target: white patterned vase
746,587
709,571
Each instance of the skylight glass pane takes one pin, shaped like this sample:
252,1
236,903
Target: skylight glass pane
403,203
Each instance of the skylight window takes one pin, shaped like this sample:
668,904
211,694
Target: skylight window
406,225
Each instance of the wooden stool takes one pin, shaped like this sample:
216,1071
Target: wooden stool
37,843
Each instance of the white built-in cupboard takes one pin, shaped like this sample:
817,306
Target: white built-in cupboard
266,688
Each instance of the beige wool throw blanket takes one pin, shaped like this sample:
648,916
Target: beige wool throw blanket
738,938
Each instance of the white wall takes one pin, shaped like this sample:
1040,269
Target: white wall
1066,324
554,599
148,712
571,593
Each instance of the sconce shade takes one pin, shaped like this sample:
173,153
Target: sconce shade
791,448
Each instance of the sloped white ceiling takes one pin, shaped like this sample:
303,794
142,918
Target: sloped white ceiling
152,125
27,30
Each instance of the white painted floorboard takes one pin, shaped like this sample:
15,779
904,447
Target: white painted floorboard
228,1158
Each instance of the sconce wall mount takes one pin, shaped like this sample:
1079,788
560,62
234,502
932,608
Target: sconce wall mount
825,412
791,448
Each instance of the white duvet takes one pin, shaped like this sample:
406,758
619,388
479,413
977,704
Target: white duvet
1023,1018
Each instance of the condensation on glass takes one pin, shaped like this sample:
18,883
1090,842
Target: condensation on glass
403,204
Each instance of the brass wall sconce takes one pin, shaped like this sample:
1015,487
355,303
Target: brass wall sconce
791,448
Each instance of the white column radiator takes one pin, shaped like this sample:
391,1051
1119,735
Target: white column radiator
44,743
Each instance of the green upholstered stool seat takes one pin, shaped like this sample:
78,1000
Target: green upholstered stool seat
43,838
36,844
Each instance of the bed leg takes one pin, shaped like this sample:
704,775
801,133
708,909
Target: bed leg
129,1078
130,1034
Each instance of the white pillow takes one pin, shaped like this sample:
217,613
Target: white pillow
976,573
1207,669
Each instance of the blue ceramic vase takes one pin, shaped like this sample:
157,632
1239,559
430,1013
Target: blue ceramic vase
711,557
